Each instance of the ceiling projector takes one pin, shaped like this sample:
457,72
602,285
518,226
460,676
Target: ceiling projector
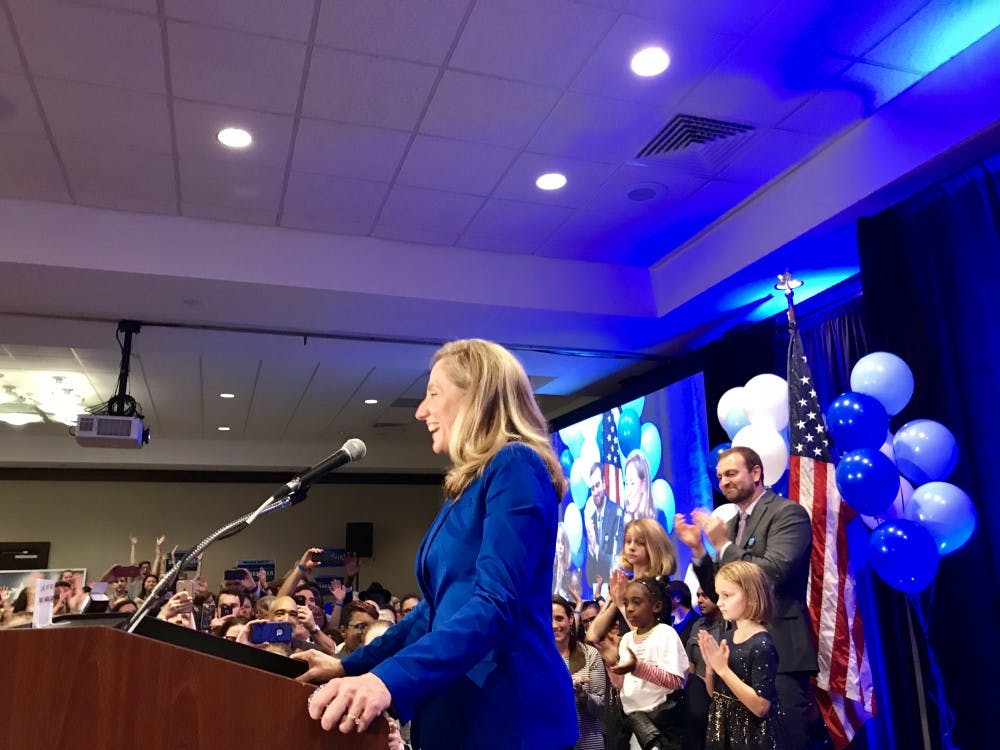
106,431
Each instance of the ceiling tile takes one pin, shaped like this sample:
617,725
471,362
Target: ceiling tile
583,178
713,15
10,61
102,114
136,6
418,30
235,214
131,203
539,41
418,236
198,126
455,166
18,108
288,19
761,83
228,67
597,237
512,220
770,155
351,87
324,224
28,169
107,173
667,187
937,32
498,245
432,210
95,45
230,185
856,93
348,150
337,198
693,54
597,129
488,110
847,27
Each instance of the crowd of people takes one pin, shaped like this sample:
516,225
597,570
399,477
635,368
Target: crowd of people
636,668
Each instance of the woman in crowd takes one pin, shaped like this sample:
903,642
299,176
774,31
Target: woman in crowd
474,663
565,577
587,671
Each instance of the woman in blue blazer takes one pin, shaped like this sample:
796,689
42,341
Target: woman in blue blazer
475,664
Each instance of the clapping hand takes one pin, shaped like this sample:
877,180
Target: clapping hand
689,534
338,590
616,587
716,655
4,594
262,578
625,667
713,526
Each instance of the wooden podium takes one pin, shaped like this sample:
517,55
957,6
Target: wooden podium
98,688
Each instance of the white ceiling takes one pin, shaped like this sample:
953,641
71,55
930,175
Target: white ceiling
388,200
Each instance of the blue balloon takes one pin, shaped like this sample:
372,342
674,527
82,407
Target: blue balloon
712,461
857,421
566,459
628,431
886,377
868,481
904,555
637,405
945,511
652,447
926,451
735,420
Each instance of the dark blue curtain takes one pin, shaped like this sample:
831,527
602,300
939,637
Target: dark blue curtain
931,275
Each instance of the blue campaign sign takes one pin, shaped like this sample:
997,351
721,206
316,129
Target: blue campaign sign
254,565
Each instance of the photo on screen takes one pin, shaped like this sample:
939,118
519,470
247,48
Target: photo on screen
646,458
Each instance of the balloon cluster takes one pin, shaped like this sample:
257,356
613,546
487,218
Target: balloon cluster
754,415
584,441
877,473
896,482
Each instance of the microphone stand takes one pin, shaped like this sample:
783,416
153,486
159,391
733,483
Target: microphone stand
230,529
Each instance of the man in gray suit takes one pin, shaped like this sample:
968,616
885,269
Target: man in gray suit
776,534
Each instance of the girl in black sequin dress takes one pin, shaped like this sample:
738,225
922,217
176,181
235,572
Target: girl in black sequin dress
744,714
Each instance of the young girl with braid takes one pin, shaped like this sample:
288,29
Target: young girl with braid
649,669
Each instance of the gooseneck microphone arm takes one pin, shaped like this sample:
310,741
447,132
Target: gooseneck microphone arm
291,493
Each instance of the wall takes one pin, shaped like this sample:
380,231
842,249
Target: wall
88,522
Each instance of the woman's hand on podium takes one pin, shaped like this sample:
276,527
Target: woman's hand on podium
350,703
322,667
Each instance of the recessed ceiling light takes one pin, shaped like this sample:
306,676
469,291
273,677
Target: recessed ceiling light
234,137
650,61
227,395
551,181
223,429
371,401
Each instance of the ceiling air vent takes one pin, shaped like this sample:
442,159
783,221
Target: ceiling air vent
700,144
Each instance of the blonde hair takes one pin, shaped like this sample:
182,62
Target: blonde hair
662,557
498,408
638,459
563,536
753,582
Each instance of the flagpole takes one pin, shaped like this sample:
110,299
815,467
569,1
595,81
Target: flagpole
787,285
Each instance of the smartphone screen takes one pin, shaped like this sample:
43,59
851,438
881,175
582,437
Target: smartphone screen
233,574
271,632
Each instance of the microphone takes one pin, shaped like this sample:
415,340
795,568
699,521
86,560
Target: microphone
352,450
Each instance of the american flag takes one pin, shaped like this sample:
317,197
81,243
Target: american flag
845,694
611,459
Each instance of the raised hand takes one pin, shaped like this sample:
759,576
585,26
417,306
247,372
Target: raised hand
160,540
4,594
133,540
262,578
608,647
306,561
689,534
713,526
338,590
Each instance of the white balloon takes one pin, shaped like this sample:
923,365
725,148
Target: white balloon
588,428
732,400
770,446
727,511
573,524
765,399
590,454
